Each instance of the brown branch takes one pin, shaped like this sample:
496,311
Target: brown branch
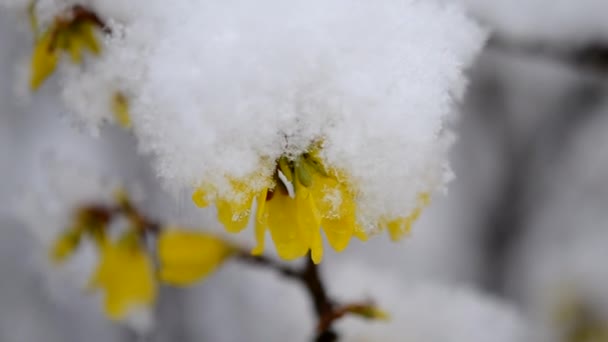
326,309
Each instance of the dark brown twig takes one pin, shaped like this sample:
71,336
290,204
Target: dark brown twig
326,309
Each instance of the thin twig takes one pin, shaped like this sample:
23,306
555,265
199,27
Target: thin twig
326,309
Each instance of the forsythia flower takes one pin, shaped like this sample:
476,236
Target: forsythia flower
125,275
73,35
305,198
186,256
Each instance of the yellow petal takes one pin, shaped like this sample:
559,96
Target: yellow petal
361,234
400,227
124,275
290,222
75,47
199,197
338,232
87,36
234,215
338,210
316,246
260,223
44,60
186,257
62,38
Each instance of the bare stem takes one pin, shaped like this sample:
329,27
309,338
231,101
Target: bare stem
326,309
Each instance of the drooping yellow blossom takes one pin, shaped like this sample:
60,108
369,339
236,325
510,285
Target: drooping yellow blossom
293,222
126,273
73,35
186,257
304,199
125,276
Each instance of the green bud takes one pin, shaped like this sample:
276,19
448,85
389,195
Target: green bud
303,172
315,163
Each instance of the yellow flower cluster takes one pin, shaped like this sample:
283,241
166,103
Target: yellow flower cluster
126,273
73,33
305,197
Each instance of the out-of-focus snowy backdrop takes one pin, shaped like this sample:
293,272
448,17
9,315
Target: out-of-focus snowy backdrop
522,230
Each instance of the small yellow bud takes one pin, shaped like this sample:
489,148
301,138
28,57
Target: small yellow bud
303,173
315,163
369,312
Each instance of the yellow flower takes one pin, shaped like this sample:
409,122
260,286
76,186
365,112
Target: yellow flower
72,36
188,256
293,210
304,199
125,276
293,222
